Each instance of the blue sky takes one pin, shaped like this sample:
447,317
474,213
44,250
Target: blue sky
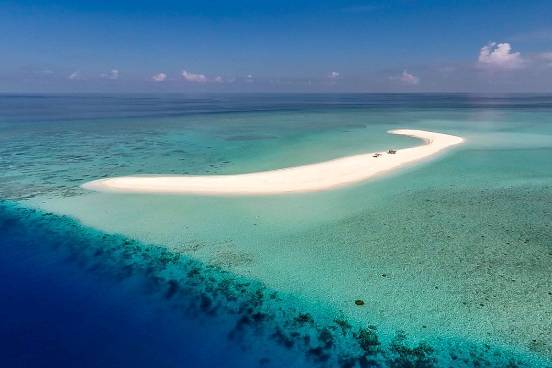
276,46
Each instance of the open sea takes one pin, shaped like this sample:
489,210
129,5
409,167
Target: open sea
445,263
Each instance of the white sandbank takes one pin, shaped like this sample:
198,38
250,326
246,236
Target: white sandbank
306,178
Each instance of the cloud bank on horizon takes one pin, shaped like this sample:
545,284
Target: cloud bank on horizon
330,46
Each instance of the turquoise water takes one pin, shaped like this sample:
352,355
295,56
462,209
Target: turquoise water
455,252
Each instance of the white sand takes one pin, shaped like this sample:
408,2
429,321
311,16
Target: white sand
306,178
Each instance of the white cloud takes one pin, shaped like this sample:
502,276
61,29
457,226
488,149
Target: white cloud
250,78
113,75
159,77
408,78
499,56
76,75
219,79
191,77
334,75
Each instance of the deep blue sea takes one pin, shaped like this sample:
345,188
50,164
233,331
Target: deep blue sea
55,313
64,306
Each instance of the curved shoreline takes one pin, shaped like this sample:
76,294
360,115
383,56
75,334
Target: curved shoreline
306,178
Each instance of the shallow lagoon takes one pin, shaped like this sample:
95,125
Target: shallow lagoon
454,252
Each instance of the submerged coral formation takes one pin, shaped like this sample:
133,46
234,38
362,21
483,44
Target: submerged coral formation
209,291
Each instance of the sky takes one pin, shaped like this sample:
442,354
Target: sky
276,46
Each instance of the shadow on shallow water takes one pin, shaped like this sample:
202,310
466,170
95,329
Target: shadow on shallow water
79,296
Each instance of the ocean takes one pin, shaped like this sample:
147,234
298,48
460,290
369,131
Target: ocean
445,263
